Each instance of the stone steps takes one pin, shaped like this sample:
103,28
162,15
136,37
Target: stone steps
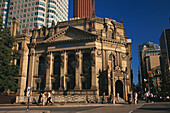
10,99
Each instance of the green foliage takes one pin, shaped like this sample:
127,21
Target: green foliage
8,71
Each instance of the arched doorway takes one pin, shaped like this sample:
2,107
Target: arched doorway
119,88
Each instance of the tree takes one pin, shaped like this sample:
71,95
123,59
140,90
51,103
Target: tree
8,71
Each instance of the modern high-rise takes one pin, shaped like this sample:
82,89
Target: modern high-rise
30,12
84,8
149,69
4,9
165,60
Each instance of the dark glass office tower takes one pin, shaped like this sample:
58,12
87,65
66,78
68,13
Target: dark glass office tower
84,8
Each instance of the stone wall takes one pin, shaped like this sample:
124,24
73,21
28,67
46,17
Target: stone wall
62,99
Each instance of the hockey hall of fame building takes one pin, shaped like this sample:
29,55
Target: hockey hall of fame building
78,60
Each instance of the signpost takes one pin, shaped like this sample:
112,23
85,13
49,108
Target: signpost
28,95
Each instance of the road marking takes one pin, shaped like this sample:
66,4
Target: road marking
136,108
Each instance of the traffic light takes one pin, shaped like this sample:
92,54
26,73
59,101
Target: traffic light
146,85
150,74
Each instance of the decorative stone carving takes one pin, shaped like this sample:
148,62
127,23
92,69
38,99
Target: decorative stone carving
99,53
123,56
62,62
77,61
48,62
93,59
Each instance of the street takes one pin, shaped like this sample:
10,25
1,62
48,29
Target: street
142,107
163,107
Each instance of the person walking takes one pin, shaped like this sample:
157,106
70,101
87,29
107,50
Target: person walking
40,99
103,99
49,98
43,98
129,98
136,98
111,98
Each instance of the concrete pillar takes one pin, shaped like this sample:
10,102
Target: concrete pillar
78,70
93,73
31,66
49,71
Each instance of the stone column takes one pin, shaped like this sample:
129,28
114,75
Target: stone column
31,66
78,70
63,70
23,68
113,78
104,59
93,73
49,71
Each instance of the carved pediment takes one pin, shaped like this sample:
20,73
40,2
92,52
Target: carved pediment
70,33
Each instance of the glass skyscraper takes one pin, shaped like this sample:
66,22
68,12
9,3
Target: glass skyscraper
30,12
4,9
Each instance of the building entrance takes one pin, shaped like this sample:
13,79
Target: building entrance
119,88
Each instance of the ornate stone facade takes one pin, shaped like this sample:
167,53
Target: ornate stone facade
78,59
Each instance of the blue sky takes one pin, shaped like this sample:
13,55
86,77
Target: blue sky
144,20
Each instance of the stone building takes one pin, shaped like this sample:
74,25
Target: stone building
149,54
78,59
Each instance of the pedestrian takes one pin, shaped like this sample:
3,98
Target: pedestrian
49,98
43,98
129,98
147,96
118,97
136,98
103,99
52,99
111,98
39,99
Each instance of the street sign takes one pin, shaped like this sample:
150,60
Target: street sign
28,91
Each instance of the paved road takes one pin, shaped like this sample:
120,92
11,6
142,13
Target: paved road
72,108
163,107
91,108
